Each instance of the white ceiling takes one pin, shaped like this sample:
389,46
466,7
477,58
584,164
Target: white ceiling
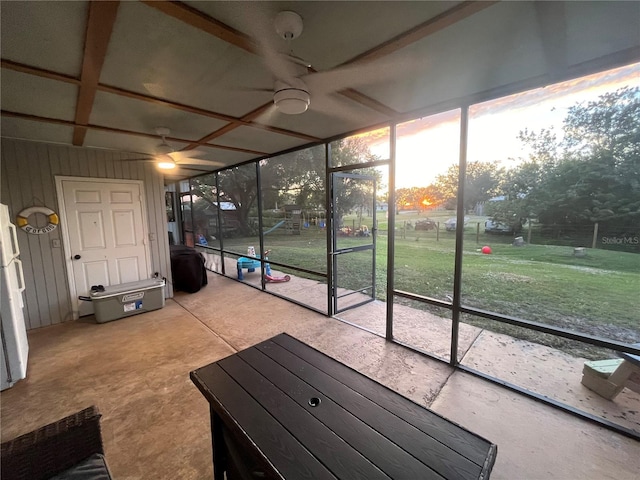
72,76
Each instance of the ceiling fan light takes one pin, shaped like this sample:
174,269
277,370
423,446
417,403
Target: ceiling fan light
165,162
292,101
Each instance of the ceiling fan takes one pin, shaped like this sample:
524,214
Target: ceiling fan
166,158
297,87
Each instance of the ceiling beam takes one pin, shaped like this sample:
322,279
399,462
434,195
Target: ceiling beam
433,25
228,128
89,126
204,22
40,72
19,67
102,17
36,118
210,25
212,135
362,99
165,103
224,32
99,31
281,131
200,111
367,101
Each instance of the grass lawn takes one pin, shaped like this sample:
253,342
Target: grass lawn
595,294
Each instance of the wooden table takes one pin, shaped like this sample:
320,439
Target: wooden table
282,409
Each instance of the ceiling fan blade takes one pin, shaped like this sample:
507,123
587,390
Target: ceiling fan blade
189,168
267,117
360,74
199,161
335,107
249,89
180,172
180,154
256,20
141,159
281,67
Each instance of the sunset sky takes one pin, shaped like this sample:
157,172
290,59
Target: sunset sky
428,146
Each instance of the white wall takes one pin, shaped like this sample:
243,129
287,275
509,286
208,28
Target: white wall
28,171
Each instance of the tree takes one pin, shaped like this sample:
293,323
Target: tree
353,194
518,188
237,186
591,174
431,196
294,178
407,197
602,143
483,180
607,127
351,151
419,198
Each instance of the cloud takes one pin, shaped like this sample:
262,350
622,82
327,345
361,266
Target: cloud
563,92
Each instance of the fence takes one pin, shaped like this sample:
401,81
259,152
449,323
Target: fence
608,237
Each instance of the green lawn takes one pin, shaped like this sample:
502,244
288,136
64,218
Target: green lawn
595,294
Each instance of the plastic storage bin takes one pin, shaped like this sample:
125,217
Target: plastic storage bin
126,299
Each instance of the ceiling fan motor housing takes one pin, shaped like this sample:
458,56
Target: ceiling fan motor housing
292,101
163,148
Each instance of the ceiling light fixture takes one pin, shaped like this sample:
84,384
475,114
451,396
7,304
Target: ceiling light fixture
165,162
292,101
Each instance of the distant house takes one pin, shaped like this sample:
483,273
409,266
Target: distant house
226,205
479,208
205,219
382,207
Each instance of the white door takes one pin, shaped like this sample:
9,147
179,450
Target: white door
105,236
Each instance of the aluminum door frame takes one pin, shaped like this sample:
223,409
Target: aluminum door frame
336,252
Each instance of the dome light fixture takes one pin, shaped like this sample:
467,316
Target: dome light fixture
292,101
288,25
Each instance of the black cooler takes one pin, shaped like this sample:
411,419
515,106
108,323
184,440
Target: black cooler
187,268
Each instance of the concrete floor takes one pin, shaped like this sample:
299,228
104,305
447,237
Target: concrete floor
537,368
156,424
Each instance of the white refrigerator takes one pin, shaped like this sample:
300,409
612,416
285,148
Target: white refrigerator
15,347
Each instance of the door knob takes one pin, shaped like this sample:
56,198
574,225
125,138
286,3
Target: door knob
77,257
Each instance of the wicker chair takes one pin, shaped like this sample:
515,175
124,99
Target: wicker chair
57,448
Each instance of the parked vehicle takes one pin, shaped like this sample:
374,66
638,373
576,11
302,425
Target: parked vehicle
450,225
492,227
425,224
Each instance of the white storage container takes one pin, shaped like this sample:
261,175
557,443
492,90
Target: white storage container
126,299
